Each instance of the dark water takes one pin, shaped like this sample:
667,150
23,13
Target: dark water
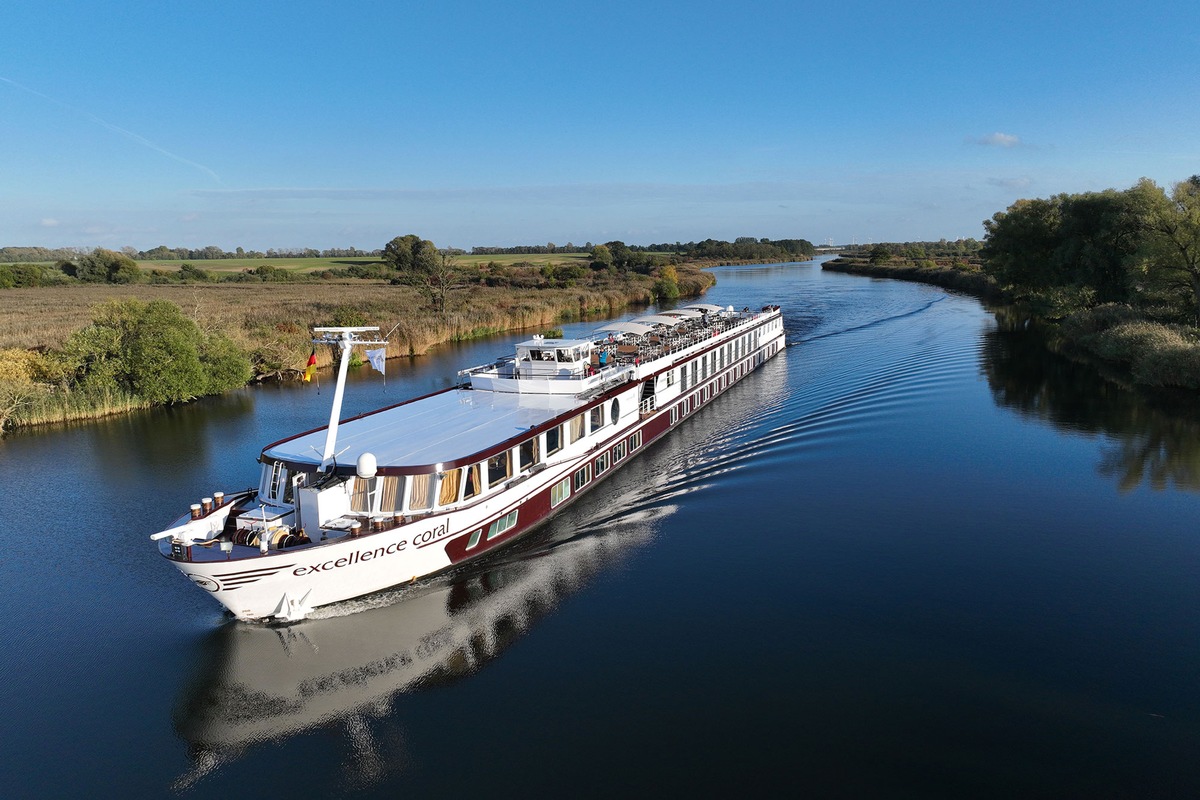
912,556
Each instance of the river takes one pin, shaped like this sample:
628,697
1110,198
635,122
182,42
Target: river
914,555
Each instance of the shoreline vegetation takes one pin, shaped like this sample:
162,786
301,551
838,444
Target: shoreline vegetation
1113,277
105,334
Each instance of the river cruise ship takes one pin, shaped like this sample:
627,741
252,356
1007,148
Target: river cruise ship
384,498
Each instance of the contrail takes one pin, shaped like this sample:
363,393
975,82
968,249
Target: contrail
116,129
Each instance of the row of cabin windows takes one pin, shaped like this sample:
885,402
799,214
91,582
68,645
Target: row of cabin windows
715,361
560,491
421,493
495,529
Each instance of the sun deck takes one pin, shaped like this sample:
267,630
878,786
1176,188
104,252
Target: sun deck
439,428
579,366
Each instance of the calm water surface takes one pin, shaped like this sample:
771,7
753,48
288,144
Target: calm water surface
911,556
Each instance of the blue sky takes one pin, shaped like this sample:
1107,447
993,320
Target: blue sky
313,124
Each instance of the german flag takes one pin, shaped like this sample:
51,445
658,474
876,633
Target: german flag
312,366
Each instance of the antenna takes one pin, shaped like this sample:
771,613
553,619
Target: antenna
345,339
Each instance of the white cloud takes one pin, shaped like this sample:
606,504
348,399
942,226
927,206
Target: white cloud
1011,183
49,222
997,139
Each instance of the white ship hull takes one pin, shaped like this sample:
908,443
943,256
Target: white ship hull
644,401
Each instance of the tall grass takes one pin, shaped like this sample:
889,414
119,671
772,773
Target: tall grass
273,322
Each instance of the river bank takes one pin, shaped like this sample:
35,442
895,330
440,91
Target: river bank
1129,346
271,324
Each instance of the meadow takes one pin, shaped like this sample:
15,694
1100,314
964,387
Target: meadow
222,266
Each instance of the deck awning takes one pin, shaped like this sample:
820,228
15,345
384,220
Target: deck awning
709,307
686,313
658,319
628,327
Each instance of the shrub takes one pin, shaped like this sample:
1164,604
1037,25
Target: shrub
1169,365
17,365
151,350
1130,341
1098,319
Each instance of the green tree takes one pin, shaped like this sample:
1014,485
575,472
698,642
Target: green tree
153,351
1099,234
1020,243
400,252
419,264
1173,225
667,285
602,257
105,266
880,254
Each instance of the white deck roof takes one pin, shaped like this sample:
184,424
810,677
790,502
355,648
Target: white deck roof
658,319
547,344
706,307
628,327
444,427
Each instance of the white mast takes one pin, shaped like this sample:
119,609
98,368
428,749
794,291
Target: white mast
344,338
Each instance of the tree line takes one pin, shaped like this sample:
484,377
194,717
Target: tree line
18,255
1140,246
1118,270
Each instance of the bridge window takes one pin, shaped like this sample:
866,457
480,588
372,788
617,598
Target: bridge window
577,430
450,484
420,494
499,468
554,440
391,492
472,486
528,452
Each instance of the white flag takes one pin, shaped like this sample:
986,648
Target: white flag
377,358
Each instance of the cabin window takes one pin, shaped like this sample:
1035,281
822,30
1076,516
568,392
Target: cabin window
420,495
674,414
695,372
475,537
619,451
363,494
616,412
635,441
499,468
560,491
670,377
582,476
472,485
391,492
501,525
448,494
554,440
597,418
577,430
528,452
602,464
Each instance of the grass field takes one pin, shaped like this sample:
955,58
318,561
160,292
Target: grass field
220,265
44,317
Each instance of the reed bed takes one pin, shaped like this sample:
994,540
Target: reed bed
273,323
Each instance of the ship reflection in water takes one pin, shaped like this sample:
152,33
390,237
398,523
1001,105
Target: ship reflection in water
346,665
